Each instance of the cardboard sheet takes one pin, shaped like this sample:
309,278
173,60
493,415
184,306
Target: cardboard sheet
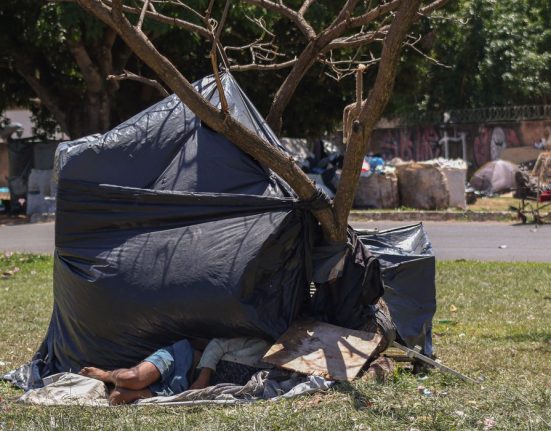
322,349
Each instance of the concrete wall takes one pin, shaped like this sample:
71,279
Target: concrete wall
485,142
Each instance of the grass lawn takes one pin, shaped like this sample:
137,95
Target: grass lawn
494,320
497,203
482,204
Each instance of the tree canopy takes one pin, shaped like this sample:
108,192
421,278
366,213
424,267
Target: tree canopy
55,52
498,53
484,53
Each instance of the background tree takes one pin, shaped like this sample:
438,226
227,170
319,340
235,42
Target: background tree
42,31
55,58
497,53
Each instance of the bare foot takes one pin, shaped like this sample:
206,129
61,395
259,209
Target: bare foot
126,396
96,373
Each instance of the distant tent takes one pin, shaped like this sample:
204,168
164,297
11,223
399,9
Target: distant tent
497,176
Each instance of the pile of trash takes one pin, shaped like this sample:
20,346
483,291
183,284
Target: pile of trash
428,185
432,185
320,160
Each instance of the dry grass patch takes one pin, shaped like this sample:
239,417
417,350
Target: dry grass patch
493,321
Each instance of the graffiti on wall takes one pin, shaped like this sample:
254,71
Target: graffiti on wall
489,142
414,143
485,142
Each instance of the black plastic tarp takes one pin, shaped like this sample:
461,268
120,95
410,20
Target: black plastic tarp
408,267
166,147
166,230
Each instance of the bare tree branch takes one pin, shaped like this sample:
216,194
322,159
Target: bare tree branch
142,14
350,112
301,23
208,12
181,4
437,4
255,66
355,41
156,16
342,68
331,39
305,60
262,52
305,6
433,60
117,8
375,13
215,31
126,75
343,16
223,19
221,122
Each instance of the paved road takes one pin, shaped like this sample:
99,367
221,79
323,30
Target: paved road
450,240
483,241
33,238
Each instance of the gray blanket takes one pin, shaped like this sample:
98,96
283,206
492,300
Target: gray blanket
74,389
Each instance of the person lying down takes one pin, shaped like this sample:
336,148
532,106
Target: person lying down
179,367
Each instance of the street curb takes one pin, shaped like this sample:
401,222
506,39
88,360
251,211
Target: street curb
367,215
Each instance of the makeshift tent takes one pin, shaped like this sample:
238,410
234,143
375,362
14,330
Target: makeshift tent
497,176
166,230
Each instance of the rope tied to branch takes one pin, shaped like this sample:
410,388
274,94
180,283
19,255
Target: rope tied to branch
319,201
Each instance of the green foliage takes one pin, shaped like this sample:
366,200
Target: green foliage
499,53
36,40
45,30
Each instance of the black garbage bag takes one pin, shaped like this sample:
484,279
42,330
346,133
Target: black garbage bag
409,271
347,299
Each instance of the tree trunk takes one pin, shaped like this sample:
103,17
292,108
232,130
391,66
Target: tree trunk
287,89
24,67
372,109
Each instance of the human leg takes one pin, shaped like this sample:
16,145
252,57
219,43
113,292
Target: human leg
135,378
126,396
